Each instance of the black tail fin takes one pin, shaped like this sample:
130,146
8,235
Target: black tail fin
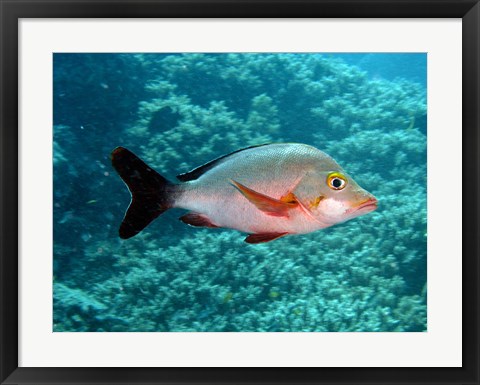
151,192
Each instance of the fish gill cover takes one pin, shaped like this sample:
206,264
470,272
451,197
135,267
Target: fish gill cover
178,111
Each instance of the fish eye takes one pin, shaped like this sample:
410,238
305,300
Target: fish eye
336,181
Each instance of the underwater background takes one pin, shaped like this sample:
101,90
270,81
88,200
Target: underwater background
178,111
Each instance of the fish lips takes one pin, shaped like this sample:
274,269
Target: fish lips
364,207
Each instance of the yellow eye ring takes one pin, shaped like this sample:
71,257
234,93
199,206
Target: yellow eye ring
336,181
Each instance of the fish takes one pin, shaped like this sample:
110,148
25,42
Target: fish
268,191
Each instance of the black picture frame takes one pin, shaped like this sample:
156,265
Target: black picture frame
13,10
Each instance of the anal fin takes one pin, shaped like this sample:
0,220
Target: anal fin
197,220
263,237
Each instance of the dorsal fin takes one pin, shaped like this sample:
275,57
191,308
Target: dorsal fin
197,172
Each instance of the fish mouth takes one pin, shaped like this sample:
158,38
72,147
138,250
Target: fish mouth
367,205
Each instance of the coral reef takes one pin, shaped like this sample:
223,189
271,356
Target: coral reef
178,111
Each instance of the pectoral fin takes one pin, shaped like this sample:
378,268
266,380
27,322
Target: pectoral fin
262,238
270,206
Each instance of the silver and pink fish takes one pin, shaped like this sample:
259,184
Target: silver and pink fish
268,191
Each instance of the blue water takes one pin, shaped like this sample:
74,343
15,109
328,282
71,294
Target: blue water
178,111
